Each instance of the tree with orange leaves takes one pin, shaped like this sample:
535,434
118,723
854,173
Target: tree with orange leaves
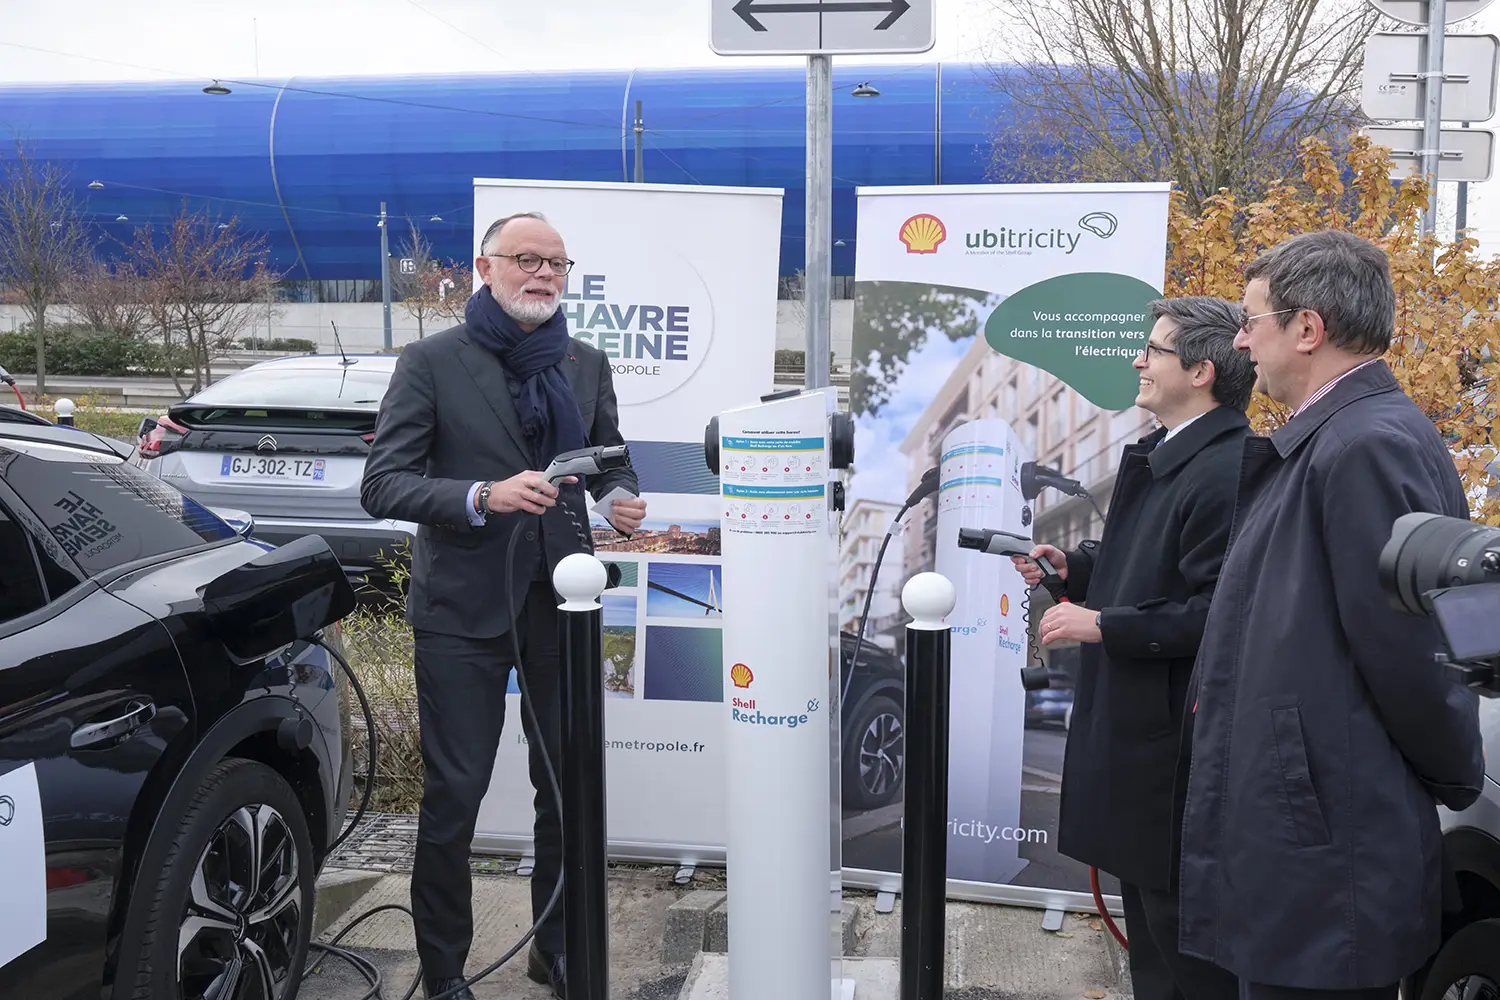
1447,299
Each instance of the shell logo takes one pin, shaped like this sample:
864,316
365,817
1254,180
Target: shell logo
923,233
1004,604
741,675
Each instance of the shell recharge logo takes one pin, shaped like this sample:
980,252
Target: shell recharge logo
923,233
1004,605
741,675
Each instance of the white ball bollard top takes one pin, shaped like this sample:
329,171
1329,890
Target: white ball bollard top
64,407
579,579
929,598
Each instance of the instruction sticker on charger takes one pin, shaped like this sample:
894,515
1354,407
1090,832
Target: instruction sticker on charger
23,859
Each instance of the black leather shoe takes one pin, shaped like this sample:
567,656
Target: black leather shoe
438,987
549,970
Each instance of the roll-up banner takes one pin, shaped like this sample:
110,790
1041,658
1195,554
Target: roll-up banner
677,285
993,325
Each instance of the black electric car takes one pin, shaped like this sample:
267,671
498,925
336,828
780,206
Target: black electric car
874,725
162,701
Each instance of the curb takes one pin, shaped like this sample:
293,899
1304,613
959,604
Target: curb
338,889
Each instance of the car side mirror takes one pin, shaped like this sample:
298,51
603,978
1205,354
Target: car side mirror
273,600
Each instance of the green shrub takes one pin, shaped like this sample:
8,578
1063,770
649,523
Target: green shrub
76,352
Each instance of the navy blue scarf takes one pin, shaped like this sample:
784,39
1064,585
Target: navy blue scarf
543,397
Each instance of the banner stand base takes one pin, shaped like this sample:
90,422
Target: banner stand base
860,979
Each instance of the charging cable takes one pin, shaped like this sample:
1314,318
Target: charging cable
925,488
6,377
587,461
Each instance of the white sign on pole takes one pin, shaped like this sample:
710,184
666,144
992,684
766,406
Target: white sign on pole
821,27
1468,153
408,265
1415,11
1393,77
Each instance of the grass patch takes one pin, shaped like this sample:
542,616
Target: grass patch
119,424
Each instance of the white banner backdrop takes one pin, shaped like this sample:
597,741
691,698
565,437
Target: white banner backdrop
1017,308
677,284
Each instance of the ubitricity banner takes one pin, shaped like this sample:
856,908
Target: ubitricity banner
677,285
993,325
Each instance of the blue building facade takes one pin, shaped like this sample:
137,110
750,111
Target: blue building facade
308,161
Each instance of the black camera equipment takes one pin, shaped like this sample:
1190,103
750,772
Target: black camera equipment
1448,569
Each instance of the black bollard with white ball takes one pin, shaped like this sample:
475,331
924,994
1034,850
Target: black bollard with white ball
64,409
579,579
929,599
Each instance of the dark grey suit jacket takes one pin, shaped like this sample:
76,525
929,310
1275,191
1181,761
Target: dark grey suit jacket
447,421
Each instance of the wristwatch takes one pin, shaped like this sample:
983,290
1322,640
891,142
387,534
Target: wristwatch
482,498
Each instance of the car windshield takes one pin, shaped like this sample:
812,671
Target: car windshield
336,387
101,510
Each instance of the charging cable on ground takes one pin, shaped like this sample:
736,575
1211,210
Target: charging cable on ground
588,461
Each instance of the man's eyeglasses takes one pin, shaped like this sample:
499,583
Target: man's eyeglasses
1246,319
531,263
1151,348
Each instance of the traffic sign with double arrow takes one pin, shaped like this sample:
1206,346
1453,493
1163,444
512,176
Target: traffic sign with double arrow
1415,11
821,27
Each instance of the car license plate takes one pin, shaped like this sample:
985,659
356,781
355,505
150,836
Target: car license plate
268,467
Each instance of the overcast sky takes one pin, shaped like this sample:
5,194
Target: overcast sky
166,39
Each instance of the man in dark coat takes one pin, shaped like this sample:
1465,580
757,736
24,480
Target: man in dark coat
1325,734
472,416
1140,596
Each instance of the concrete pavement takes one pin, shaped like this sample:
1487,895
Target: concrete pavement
993,951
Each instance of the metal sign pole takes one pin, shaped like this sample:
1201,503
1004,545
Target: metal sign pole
1432,128
817,282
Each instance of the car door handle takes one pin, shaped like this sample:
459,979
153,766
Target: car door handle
100,732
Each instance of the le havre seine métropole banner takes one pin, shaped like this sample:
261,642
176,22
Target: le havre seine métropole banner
993,325
687,317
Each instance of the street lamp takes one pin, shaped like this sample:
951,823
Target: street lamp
864,90
216,88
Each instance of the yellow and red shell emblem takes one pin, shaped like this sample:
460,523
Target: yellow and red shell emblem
923,233
1004,604
741,675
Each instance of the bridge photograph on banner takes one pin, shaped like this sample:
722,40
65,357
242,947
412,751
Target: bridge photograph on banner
993,326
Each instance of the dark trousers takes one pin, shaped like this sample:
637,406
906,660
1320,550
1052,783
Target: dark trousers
1159,971
461,710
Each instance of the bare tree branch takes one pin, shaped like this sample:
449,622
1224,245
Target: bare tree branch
206,280
1208,94
43,240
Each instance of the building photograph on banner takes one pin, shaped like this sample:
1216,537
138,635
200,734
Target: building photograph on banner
687,319
994,326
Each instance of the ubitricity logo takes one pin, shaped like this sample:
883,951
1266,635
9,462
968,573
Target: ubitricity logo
924,233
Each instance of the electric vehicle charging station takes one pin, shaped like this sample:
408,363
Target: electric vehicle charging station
980,487
776,462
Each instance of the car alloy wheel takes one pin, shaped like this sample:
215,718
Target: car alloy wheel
239,929
1467,967
882,754
223,906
